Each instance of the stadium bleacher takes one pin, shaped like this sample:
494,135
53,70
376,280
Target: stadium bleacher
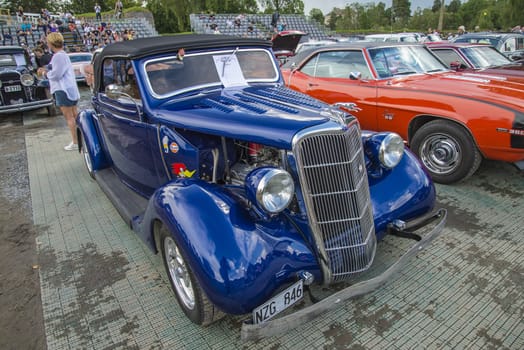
261,23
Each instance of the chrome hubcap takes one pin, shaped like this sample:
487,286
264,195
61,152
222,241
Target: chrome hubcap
441,154
87,159
179,273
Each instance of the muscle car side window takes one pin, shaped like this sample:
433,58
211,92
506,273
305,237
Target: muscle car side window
448,56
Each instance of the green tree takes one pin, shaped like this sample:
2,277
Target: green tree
377,15
317,15
453,6
31,6
516,15
283,6
436,5
401,12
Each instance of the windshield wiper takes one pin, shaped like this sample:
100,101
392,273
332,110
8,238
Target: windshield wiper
406,72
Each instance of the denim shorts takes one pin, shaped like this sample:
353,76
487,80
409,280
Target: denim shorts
61,99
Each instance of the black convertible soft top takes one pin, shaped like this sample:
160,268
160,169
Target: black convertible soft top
142,47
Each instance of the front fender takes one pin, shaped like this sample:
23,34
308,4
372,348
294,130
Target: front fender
239,260
86,127
402,193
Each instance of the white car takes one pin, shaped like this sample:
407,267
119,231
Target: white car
79,60
313,43
394,37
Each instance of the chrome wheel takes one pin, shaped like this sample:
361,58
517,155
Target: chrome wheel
87,157
441,153
179,273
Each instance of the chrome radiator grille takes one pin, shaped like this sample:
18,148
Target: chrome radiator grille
334,183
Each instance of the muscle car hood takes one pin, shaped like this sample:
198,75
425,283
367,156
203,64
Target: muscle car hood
269,115
487,88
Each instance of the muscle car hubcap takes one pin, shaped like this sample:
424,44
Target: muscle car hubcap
440,153
179,273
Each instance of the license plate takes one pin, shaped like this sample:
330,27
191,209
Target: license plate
13,88
278,303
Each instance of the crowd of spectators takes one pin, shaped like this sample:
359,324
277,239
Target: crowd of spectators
242,25
87,35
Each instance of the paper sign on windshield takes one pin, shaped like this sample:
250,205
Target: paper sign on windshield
229,70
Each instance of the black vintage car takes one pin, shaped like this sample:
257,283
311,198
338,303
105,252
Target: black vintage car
20,89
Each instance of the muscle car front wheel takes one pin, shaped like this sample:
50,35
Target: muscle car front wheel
447,150
190,296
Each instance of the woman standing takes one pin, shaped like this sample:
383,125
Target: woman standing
62,84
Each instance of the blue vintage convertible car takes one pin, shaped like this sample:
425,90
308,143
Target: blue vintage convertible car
250,191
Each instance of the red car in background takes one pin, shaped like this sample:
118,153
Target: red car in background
480,58
285,43
450,120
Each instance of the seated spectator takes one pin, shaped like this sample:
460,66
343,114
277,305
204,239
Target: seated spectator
53,27
25,27
42,58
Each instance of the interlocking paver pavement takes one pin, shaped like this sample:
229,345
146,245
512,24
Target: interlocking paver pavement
103,289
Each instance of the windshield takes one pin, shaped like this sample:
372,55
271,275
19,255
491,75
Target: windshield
13,60
404,60
80,58
483,57
490,41
172,75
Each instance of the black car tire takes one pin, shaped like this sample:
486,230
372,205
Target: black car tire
88,161
447,150
190,296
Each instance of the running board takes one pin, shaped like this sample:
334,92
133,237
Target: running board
128,204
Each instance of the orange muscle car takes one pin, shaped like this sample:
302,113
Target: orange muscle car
450,120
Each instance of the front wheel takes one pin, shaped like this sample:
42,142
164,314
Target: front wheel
447,150
87,158
190,296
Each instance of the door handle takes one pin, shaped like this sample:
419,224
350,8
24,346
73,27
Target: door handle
312,84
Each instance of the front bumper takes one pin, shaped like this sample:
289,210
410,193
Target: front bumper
27,106
288,322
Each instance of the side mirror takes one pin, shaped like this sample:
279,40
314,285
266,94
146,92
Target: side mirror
355,75
458,66
114,91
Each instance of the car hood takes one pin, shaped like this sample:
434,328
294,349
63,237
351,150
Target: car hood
269,115
513,71
483,87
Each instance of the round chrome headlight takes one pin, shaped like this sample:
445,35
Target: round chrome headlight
27,79
391,150
275,190
271,188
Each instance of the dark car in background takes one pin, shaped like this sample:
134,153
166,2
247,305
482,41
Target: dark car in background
510,44
20,88
249,191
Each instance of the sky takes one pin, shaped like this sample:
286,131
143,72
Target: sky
327,5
